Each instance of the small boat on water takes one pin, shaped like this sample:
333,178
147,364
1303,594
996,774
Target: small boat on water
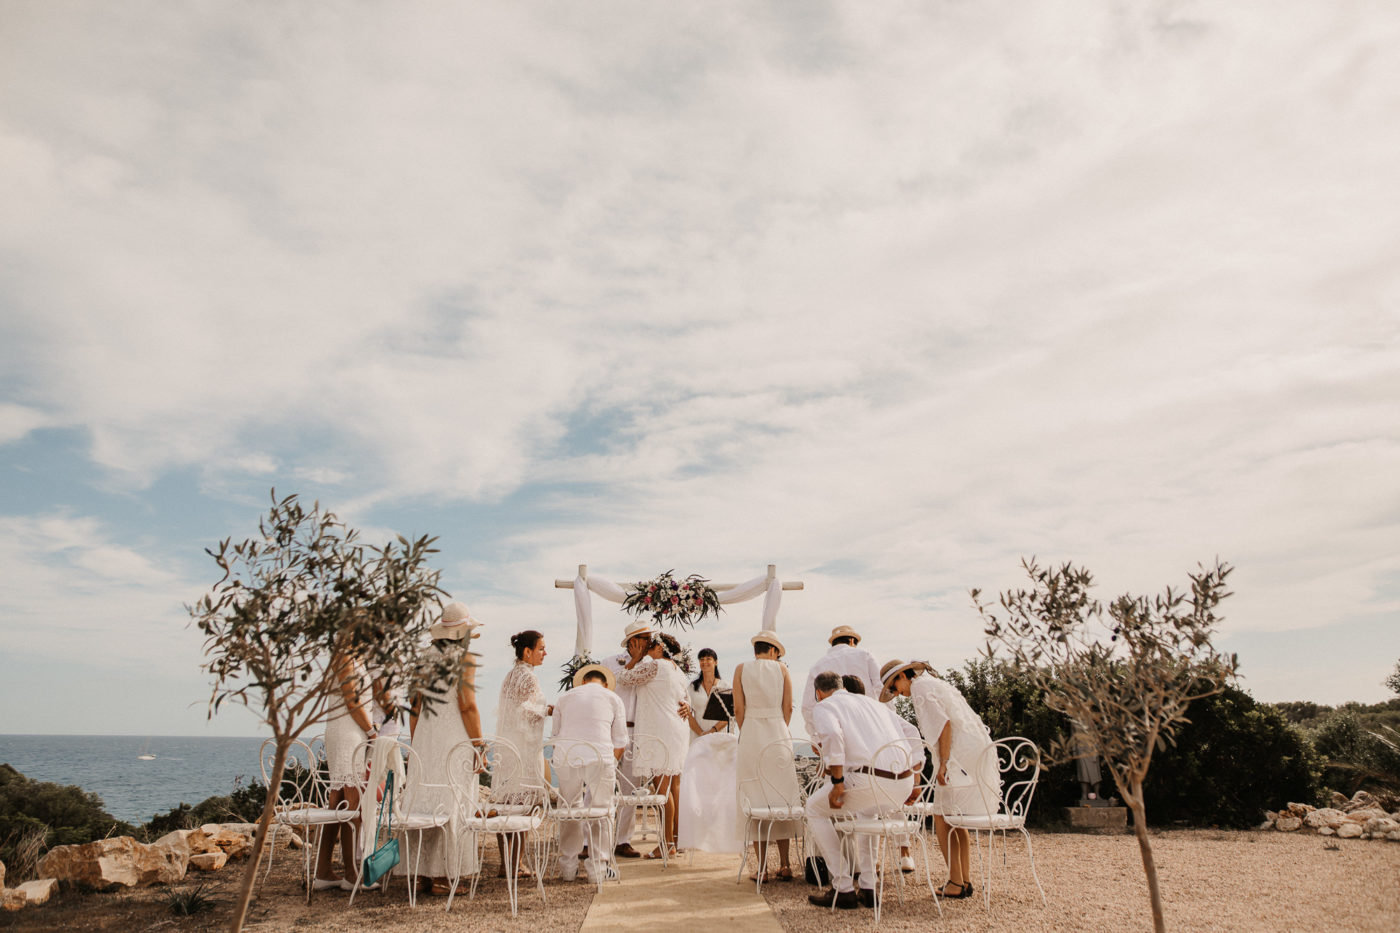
146,752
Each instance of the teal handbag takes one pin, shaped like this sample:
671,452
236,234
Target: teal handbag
382,860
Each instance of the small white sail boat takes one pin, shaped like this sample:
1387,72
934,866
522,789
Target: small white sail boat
146,752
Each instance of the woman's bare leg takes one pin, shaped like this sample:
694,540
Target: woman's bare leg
349,863
330,835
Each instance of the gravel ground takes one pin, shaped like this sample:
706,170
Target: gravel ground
1211,880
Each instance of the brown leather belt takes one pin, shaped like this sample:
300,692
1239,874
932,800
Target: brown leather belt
881,773
630,725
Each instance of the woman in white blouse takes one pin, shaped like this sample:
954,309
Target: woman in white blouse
662,717
520,716
705,684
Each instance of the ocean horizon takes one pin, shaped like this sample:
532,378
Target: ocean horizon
182,769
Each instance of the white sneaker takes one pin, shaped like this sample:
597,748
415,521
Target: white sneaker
906,864
331,884
568,869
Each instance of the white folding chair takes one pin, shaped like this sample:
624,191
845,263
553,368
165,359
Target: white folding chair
304,801
586,796
517,818
648,755
890,825
765,802
420,806
1017,765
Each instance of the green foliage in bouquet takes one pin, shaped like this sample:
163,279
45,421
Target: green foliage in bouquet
572,667
668,601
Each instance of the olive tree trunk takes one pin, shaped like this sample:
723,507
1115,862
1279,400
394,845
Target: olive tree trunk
1149,864
250,875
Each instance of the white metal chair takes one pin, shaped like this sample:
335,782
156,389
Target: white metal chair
586,796
765,801
890,825
1017,763
517,817
648,755
302,800
420,806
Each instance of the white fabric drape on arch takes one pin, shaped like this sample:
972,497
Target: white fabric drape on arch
770,589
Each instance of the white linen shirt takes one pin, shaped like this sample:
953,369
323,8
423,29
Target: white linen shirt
591,713
854,729
617,663
843,659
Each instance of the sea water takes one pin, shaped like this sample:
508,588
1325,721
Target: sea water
184,769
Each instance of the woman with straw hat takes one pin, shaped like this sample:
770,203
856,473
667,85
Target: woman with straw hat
762,710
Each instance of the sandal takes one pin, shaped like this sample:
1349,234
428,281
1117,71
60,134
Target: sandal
964,890
784,874
440,889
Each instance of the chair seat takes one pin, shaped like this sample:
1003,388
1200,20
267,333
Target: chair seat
312,816
417,822
923,808
643,800
997,821
875,827
508,823
582,813
775,813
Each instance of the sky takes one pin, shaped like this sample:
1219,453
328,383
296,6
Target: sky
889,295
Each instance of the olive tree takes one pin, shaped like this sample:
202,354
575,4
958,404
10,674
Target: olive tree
303,590
1126,681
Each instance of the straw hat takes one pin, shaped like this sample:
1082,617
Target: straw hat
457,620
843,631
893,669
607,674
634,628
771,637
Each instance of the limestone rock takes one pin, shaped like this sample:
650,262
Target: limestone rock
1349,830
1361,800
1287,824
1267,824
1271,815
1339,801
1300,810
1326,816
1367,813
107,863
1393,837
2,876
1327,831
12,899
1381,825
39,892
208,861
294,841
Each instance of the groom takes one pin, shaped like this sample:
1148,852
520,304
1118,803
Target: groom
636,638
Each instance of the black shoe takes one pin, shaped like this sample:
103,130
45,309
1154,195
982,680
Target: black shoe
626,851
844,900
867,897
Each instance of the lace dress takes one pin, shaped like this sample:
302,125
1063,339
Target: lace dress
937,702
343,737
661,689
520,717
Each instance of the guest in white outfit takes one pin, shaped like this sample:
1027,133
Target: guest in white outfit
762,710
845,657
958,737
520,716
349,725
588,717
435,729
636,639
867,769
701,689
662,717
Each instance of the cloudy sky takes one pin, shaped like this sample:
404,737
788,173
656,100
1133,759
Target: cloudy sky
889,295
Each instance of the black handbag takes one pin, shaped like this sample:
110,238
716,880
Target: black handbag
814,871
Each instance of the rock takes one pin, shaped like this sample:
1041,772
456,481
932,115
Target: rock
1327,816
234,838
2,876
1267,824
1349,831
1393,837
1381,825
1361,800
1270,815
1339,800
208,861
1288,824
1368,813
1327,831
39,892
294,841
107,863
12,899
1300,810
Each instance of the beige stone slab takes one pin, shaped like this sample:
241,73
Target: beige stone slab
650,898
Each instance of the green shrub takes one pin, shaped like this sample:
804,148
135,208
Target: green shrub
1234,759
58,814
1356,759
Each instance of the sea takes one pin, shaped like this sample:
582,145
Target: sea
181,769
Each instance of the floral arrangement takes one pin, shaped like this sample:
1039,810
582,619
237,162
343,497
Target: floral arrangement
669,601
572,667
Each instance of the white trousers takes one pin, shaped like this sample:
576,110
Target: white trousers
590,785
864,796
627,815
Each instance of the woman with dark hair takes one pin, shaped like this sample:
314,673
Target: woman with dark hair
520,716
661,696
706,683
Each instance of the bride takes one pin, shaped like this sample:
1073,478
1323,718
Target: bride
662,717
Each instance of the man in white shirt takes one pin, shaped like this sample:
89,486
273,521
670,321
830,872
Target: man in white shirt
635,639
845,657
872,761
588,720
